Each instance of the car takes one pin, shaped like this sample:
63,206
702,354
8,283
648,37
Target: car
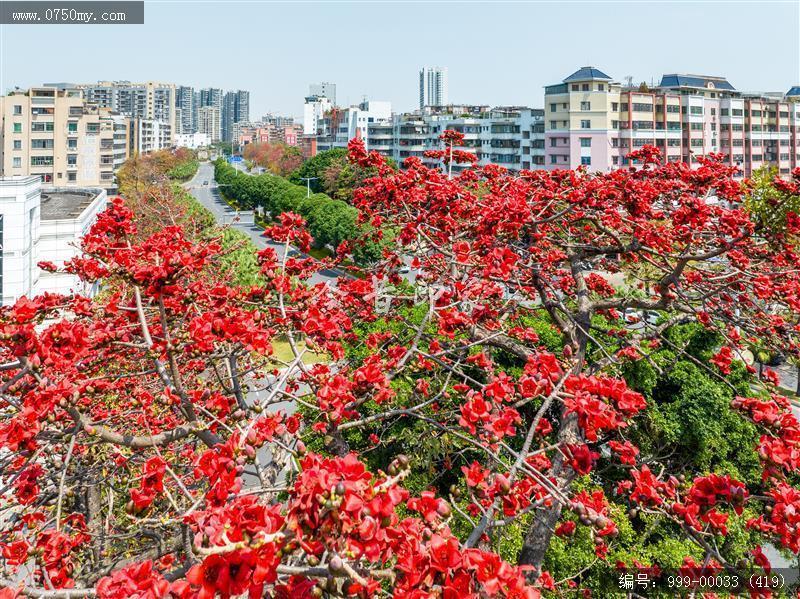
205,182
405,269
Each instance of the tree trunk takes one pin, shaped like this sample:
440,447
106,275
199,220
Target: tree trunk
537,539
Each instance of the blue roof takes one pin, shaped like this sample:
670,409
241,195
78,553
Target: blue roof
696,81
585,73
795,91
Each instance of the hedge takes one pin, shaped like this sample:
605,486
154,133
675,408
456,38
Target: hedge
330,221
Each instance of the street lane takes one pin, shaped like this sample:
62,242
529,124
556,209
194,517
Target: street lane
209,198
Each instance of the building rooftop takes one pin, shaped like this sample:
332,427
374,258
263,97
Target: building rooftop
64,204
584,73
794,91
697,81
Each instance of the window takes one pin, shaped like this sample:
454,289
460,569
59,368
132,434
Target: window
586,105
17,162
575,87
615,160
713,111
42,144
72,176
17,109
553,158
696,126
641,107
586,160
17,127
41,161
72,144
695,110
17,144
624,106
585,87
553,142
673,108
553,107
72,127
724,112
755,113
615,106
586,142
736,112
72,159
586,124
601,87
39,127
553,124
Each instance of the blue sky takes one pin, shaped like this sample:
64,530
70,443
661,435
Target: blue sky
496,52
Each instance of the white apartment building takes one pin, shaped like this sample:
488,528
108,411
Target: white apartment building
151,136
56,135
432,87
314,109
342,125
39,224
193,141
209,121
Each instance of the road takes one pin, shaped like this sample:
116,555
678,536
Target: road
208,196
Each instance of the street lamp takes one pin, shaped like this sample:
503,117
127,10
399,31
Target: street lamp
308,181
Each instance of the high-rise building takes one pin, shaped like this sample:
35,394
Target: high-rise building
211,97
324,89
185,110
593,121
432,86
235,109
209,121
58,136
148,100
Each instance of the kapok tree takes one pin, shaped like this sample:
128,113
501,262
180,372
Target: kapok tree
154,445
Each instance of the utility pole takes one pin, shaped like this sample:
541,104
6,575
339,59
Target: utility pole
308,181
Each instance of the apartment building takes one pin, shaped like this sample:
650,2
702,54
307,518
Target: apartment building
185,110
151,136
57,136
314,109
235,109
209,121
149,100
512,137
595,122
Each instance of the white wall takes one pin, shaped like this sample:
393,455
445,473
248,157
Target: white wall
19,205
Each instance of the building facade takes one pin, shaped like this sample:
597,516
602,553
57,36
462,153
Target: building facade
314,109
324,90
57,136
595,122
151,136
149,100
209,121
432,87
185,110
193,141
512,137
42,224
235,109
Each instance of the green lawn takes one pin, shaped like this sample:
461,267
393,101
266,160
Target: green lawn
283,352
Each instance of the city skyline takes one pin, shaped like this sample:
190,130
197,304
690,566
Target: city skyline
510,72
